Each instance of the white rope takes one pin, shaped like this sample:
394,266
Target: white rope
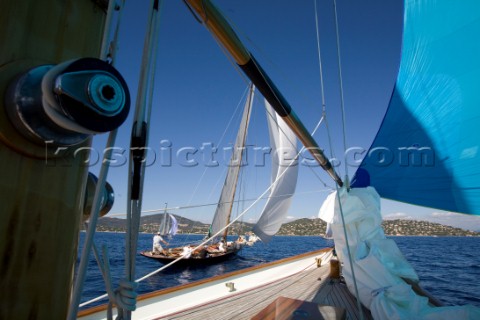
141,121
103,264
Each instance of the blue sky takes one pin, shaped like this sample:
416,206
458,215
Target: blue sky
198,89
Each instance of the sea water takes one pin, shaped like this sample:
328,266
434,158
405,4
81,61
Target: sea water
448,267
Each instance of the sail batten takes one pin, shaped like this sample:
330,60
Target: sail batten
284,177
427,150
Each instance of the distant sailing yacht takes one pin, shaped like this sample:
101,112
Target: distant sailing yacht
220,249
284,179
169,225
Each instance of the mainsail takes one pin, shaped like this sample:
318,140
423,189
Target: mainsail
225,203
427,151
284,176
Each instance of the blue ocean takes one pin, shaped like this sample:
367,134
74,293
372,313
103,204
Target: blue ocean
448,267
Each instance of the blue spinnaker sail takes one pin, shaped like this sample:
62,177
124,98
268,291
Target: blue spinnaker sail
427,151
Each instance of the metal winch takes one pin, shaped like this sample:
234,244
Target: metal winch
67,103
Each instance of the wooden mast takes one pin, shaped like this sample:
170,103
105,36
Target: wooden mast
41,190
223,32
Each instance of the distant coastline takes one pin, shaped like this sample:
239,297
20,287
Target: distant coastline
300,227
299,235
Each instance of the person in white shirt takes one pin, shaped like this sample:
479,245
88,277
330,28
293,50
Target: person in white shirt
221,247
157,247
187,252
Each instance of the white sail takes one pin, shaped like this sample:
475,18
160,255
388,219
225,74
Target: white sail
284,176
224,207
174,226
163,225
168,226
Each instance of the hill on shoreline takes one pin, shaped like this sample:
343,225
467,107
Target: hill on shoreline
299,227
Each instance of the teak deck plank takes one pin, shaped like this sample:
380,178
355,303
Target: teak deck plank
313,285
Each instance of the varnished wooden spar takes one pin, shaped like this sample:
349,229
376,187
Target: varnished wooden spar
41,194
219,27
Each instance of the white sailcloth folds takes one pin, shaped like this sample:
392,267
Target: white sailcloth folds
378,263
173,226
225,203
284,176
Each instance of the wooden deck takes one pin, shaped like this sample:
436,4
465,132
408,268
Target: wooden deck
313,285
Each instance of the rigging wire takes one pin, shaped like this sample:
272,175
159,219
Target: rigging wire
342,100
269,61
106,50
342,105
195,16
216,203
219,142
320,61
322,83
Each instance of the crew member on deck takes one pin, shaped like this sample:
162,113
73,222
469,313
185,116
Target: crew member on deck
187,252
157,247
222,246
